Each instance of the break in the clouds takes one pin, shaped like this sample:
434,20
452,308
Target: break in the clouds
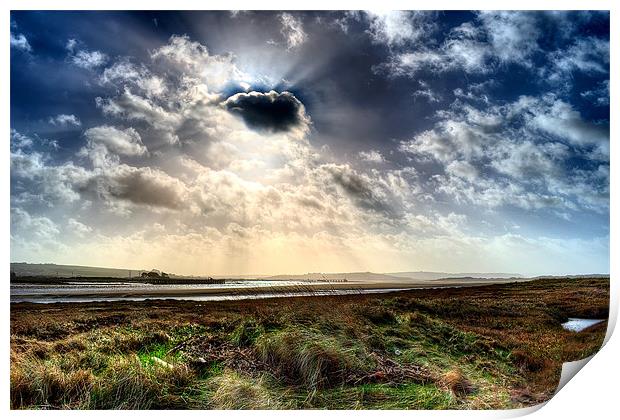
266,142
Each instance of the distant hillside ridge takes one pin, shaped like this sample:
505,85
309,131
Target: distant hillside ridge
434,275
58,270
357,276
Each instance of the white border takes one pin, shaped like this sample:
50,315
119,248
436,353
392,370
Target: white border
591,394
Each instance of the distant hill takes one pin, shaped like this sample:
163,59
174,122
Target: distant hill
392,277
53,270
365,276
433,275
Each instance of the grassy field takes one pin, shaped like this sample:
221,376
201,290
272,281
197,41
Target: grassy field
499,346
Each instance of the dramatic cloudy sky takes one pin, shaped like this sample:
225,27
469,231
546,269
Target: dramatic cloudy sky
237,143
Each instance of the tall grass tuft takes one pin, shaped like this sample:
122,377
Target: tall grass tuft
310,358
234,391
44,385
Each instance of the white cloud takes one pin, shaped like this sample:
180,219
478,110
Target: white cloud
89,59
371,156
65,120
20,42
35,226
515,154
20,141
449,140
599,95
133,107
292,30
105,140
42,183
266,201
125,74
493,39
464,48
84,58
512,34
79,228
194,65
428,94
587,55
397,28
561,120
463,170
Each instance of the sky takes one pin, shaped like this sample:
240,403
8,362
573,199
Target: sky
293,142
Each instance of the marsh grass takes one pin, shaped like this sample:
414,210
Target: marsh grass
487,347
310,358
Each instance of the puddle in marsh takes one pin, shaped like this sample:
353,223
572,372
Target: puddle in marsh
580,324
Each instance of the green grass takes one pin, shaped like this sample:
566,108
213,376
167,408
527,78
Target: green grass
310,358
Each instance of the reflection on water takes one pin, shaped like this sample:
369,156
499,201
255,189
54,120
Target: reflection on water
113,287
234,294
580,324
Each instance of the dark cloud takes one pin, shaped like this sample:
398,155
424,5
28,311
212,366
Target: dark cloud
142,186
360,188
271,111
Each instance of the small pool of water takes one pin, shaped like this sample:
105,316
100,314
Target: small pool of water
580,324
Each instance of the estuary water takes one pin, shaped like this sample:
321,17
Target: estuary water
126,291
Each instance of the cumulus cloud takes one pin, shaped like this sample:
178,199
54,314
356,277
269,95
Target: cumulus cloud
105,142
65,120
396,28
561,120
387,194
134,107
587,55
78,228
599,95
462,169
478,47
191,59
39,227
36,181
516,154
126,75
84,58
20,141
465,48
371,156
449,140
271,111
117,184
240,177
426,93
20,42
512,34
141,186
292,30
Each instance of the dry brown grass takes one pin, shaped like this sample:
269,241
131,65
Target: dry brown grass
457,383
